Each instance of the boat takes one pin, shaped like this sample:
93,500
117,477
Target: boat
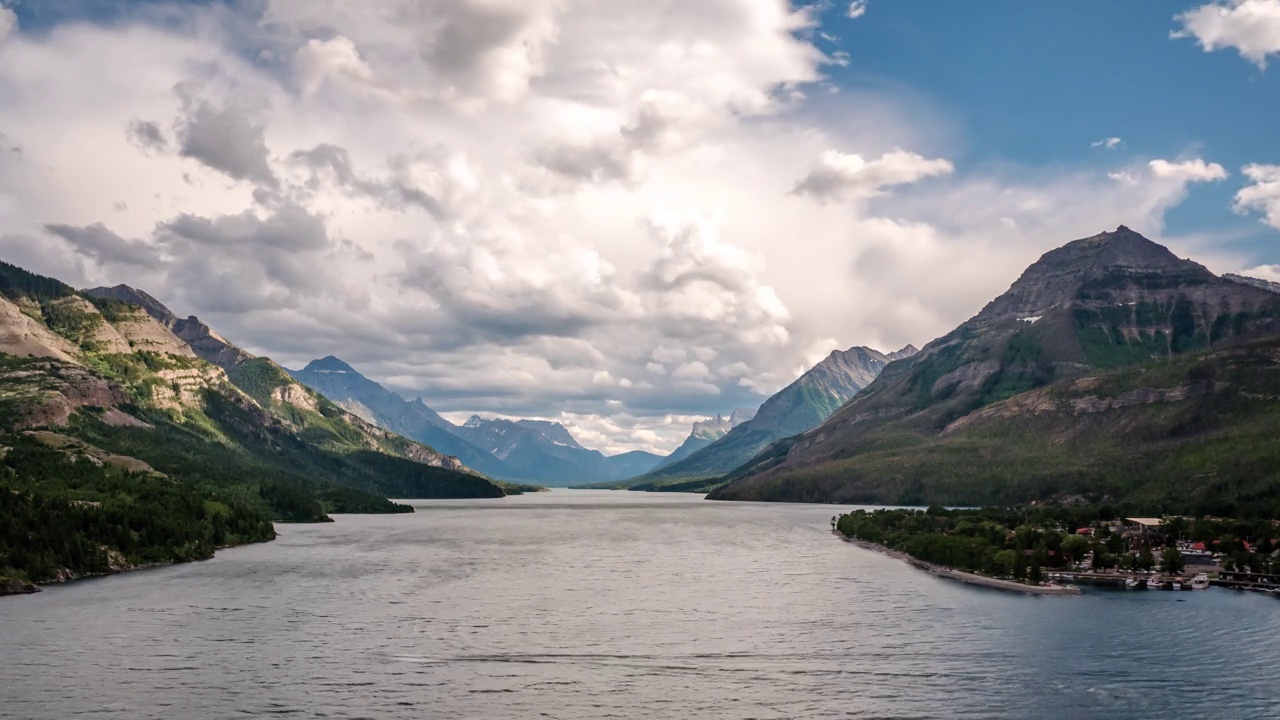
1153,583
1200,582
1133,583
1177,584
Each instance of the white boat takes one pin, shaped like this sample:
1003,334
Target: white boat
1177,584
1153,583
1132,583
1200,582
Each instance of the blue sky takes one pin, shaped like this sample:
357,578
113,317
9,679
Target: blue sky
1035,83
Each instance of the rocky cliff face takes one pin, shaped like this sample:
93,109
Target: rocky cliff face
1253,282
44,392
199,338
23,336
1111,300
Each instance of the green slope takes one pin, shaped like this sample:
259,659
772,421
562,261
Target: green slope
120,447
1193,434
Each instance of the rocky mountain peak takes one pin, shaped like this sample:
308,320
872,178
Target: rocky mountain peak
906,352
329,364
124,293
1057,278
553,431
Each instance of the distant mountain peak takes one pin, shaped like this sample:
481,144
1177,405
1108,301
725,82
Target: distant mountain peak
1057,278
329,364
553,431
907,351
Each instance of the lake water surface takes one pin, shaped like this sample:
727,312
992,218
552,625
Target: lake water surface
598,604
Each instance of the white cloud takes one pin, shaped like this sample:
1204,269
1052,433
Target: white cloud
516,224
8,22
1107,143
1188,170
1252,27
663,354
334,60
1263,272
857,9
1261,194
696,370
843,176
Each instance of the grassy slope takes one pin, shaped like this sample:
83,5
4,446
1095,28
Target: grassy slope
1207,450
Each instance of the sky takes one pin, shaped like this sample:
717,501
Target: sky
621,216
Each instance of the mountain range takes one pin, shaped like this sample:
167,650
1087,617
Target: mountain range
113,367
704,433
516,450
130,436
1110,369
798,407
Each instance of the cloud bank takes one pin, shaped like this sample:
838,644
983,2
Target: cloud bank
620,215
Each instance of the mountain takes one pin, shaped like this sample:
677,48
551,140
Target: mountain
207,344
802,405
904,353
540,451
110,420
1106,353
630,464
269,384
704,433
341,383
537,451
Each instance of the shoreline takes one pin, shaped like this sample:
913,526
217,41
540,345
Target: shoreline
961,576
18,588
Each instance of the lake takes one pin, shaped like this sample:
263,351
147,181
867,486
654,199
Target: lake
599,604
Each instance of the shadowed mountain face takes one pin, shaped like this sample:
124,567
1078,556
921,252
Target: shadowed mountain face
1111,301
356,393
796,408
519,450
546,453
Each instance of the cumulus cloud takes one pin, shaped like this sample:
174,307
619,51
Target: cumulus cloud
227,140
857,9
1252,27
334,60
106,247
1263,272
844,176
1262,194
1109,143
1188,170
583,212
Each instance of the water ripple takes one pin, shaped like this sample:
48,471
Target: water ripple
574,605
